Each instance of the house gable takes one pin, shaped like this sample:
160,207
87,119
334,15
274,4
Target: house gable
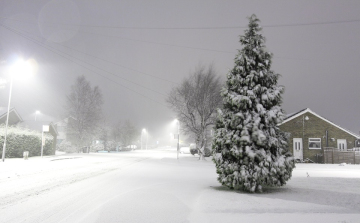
315,133
302,112
14,116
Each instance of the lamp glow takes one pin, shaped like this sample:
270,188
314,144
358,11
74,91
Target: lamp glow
18,70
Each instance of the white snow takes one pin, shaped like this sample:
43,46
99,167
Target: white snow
153,186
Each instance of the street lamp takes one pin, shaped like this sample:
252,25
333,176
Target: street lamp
44,129
146,141
36,113
143,132
178,143
305,118
18,69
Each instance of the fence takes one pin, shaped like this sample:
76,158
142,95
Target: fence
334,155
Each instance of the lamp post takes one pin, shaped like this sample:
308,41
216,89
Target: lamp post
143,132
7,121
147,137
178,143
45,128
19,68
146,141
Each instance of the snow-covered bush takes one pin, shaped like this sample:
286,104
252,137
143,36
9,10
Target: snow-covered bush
249,149
97,147
66,146
207,152
112,145
21,139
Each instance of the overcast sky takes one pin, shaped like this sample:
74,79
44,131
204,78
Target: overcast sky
136,51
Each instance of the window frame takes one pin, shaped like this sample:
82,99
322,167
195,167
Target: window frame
314,140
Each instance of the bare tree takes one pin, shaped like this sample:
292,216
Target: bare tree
103,134
124,133
115,133
83,109
128,133
195,102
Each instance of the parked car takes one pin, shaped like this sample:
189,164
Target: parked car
185,149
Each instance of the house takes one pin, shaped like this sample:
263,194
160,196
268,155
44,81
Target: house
14,117
310,134
61,129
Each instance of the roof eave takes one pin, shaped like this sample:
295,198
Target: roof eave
322,118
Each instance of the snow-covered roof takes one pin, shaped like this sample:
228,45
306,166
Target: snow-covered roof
303,111
14,116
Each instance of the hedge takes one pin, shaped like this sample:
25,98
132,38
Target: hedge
21,139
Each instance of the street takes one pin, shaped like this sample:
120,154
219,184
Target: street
152,186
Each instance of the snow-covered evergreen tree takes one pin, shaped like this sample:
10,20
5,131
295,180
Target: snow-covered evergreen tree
250,151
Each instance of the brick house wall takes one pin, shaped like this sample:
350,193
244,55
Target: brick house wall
315,127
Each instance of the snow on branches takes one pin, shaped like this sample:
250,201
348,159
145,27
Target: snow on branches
249,149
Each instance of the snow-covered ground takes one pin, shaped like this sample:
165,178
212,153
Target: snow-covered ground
152,186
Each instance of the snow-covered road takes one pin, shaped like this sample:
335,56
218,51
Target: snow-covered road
152,186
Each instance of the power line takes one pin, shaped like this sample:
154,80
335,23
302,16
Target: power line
132,69
164,44
312,23
151,42
163,79
109,72
54,51
219,51
201,27
189,47
135,40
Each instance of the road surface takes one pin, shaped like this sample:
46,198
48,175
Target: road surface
152,186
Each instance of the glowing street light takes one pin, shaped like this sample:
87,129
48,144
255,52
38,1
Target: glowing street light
19,69
36,113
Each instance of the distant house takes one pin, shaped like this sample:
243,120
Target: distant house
61,129
310,133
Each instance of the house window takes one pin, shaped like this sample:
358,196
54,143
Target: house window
314,143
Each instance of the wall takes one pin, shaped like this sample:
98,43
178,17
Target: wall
315,128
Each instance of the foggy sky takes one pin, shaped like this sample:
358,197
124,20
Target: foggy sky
136,51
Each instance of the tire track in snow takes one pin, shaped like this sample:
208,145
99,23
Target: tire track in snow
21,188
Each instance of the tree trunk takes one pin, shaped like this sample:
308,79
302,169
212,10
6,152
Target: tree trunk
201,148
202,151
203,145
